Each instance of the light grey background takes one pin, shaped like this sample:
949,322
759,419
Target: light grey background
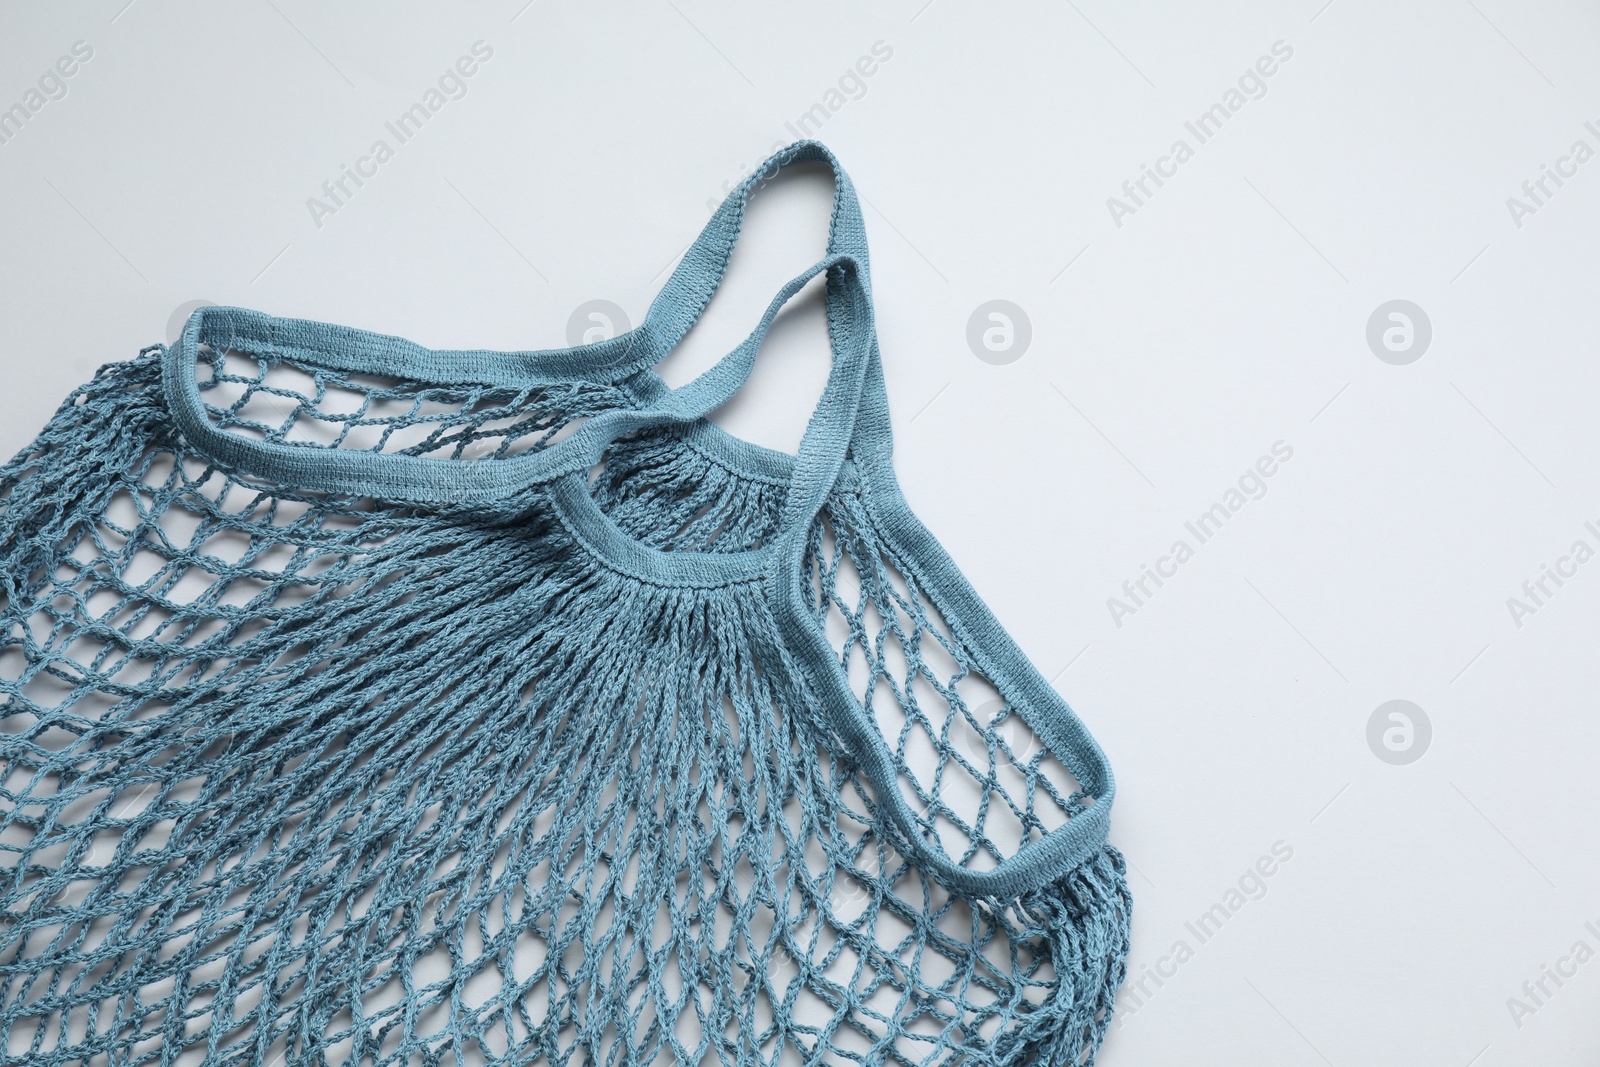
1228,312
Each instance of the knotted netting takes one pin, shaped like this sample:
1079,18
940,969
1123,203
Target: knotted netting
296,775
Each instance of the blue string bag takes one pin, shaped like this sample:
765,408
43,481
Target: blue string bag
370,704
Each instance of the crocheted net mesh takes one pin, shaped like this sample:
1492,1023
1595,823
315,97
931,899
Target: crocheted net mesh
291,778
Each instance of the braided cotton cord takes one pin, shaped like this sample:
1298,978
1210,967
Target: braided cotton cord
711,756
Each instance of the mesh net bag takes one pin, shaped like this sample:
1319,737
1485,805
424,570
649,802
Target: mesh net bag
367,704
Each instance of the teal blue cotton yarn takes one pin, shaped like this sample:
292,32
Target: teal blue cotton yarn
478,707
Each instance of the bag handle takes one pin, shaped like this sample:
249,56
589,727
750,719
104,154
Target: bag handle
852,338
675,309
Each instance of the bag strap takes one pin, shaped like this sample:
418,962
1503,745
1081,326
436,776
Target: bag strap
425,479
852,338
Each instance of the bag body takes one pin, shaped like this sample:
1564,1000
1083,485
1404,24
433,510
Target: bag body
364,703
